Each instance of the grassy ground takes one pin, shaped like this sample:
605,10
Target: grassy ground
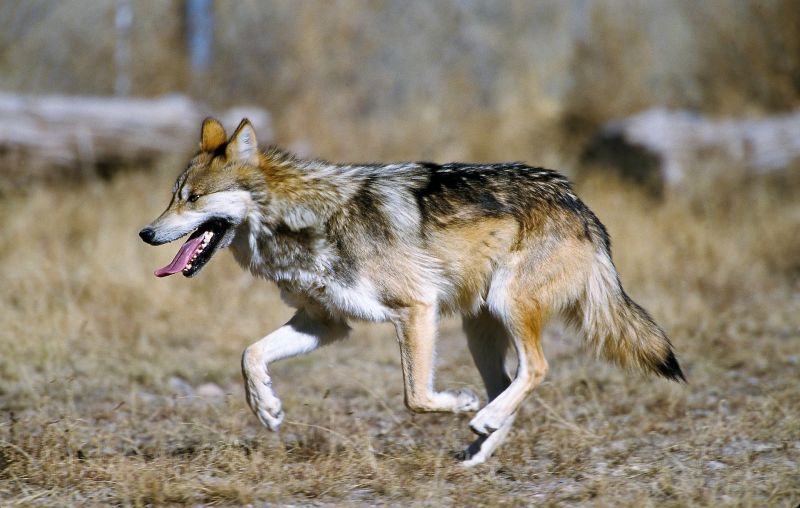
117,387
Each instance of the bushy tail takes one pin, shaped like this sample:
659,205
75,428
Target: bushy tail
617,328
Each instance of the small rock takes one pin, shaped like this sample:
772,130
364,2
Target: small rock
210,390
716,465
106,451
146,397
179,386
619,445
762,447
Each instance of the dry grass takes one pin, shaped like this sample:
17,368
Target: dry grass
102,366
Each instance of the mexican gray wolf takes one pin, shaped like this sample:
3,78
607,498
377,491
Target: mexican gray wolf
505,245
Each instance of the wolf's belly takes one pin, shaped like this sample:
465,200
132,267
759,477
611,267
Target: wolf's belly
359,301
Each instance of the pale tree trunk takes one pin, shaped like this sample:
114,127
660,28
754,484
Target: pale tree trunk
123,21
199,41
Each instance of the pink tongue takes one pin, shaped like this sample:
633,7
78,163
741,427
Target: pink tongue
181,258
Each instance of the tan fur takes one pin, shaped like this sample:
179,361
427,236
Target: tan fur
468,254
212,135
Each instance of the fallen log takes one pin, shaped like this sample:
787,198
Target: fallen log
53,138
664,148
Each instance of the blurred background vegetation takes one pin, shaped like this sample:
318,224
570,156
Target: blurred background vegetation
452,79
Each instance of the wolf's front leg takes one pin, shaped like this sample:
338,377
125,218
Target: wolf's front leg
306,331
416,333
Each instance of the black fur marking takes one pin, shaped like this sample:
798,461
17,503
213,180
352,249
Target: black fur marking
458,193
452,189
220,150
430,166
366,205
670,368
592,224
362,217
346,263
421,195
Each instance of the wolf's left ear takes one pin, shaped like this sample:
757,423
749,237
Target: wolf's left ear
212,135
243,145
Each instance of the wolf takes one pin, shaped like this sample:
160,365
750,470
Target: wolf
507,246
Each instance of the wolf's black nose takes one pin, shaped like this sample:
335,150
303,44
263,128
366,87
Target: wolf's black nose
147,234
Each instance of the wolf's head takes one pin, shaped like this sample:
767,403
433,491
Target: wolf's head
210,199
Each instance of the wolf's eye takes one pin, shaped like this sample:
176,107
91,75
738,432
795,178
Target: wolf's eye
194,197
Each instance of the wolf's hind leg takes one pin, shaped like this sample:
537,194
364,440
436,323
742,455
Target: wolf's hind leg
524,324
305,332
488,342
416,333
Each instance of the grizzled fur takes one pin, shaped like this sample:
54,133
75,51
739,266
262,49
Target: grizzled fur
506,245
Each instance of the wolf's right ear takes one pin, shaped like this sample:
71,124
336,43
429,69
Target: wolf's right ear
212,135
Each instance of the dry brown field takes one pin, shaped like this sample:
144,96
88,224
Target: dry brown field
120,388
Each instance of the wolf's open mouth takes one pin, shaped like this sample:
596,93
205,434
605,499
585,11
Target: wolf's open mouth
197,250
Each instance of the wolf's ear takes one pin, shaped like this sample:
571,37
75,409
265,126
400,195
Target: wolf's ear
212,135
243,145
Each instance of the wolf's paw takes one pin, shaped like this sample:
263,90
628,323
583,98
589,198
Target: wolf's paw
487,421
267,408
472,455
466,400
264,403
270,419
473,461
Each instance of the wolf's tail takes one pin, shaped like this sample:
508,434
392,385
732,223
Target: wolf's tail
617,328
